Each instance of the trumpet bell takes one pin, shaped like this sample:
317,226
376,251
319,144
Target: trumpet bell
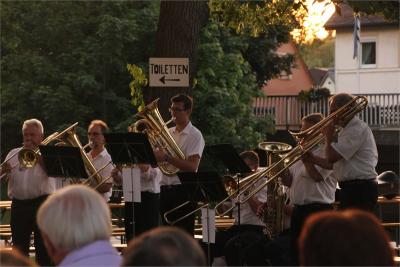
27,157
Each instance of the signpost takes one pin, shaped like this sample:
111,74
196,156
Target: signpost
169,72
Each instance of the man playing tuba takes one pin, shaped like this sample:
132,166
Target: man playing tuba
191,142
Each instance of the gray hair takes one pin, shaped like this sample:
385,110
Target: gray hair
74,216
33,122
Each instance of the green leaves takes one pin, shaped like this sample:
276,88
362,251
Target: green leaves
224,92
138,82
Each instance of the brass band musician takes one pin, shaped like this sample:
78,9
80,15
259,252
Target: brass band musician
28,188
311,188
191,142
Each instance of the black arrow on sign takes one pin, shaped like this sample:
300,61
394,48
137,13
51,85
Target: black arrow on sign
163,80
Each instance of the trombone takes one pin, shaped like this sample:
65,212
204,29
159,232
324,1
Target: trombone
307,140
29,157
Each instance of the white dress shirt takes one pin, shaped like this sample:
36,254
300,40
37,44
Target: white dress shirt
150,180
191,142
305,190
27,183
247,215
356,144
99,162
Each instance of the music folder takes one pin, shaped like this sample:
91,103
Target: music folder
63,161
225,155
203,186
129,148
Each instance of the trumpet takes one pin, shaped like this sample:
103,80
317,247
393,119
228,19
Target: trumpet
27,157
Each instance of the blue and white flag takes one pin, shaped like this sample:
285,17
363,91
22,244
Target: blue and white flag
356,34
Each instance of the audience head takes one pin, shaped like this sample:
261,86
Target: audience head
14,258
251,159
347,238
164,246
71,218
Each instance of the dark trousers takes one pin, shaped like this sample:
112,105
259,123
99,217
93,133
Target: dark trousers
23,223
361,194
146,214
234,241
299,215
171,197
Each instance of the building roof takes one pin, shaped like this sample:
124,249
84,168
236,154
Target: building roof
346,19
318,75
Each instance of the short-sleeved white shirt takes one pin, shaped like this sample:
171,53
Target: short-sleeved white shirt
191,142
99,162
27,183
247,215
150,180
305,190
356,144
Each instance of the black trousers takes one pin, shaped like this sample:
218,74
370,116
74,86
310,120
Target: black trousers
361,194
234,241
23,223
146,214
299,215
171,197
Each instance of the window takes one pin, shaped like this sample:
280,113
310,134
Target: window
284,75
368,54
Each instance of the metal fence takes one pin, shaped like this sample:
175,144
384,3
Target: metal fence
383,110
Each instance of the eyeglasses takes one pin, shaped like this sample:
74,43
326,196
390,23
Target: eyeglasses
95,134
176,109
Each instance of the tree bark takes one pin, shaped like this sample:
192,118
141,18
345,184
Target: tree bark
179,29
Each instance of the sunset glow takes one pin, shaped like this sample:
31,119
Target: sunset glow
312,24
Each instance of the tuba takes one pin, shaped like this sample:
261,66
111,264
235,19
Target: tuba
159,136
273,215
69,138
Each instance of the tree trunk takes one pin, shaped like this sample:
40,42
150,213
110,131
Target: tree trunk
179,29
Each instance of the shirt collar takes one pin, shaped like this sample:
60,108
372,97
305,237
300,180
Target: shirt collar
186,130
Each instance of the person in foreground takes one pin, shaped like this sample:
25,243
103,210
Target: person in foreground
348,238
75,223
164,246
14,258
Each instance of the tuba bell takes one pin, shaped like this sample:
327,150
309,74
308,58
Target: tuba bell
68,137
159,136
273,215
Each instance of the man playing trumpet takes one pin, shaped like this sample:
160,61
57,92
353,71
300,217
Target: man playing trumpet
28,188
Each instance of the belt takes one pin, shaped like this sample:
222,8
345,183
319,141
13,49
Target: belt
31,200
356,181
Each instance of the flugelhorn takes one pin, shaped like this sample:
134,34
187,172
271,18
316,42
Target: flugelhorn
158,134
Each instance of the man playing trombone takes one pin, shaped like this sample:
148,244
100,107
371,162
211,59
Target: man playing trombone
311,188
248,226
28,187
354,155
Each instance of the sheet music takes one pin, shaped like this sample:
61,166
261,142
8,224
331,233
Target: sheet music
208,222
131,184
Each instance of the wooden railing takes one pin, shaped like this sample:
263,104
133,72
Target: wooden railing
383,110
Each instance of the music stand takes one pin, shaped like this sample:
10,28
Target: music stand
130,148
63,161
203,187
226,155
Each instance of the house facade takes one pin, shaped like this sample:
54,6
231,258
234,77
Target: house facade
376,69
